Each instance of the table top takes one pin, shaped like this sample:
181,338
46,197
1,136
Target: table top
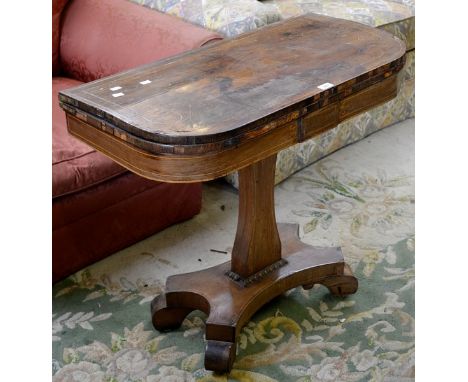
238,90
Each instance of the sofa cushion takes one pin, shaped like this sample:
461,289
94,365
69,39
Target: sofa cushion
75,165
89,225
394,16
103,37
57,8
72,207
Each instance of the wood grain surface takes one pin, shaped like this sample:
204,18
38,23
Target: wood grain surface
257,244
233,91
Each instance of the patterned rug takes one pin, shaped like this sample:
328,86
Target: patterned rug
361,198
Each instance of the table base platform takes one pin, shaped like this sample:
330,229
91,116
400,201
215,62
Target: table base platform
230,301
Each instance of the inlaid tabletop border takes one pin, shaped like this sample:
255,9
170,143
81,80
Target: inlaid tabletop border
79,103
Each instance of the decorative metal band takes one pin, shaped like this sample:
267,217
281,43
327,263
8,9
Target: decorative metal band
245,282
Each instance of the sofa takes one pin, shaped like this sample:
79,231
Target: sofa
98,207
231,18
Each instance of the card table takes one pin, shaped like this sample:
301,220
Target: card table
231,106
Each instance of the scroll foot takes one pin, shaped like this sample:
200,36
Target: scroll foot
339,285
167,318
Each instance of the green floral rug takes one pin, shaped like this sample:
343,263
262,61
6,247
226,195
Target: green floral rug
361,197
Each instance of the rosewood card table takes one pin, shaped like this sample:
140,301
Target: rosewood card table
232,106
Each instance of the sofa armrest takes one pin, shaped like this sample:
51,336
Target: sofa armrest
103,37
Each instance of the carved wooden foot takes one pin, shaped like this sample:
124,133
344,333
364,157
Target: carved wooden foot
165,318
339,285
230,300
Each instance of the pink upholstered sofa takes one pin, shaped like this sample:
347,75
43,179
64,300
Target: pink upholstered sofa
99,207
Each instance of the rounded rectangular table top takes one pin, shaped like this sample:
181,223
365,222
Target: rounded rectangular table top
237,90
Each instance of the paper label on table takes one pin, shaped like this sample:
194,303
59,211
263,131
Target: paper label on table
115,88
145,82
325,86
117,95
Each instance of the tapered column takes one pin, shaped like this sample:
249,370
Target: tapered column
257,244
